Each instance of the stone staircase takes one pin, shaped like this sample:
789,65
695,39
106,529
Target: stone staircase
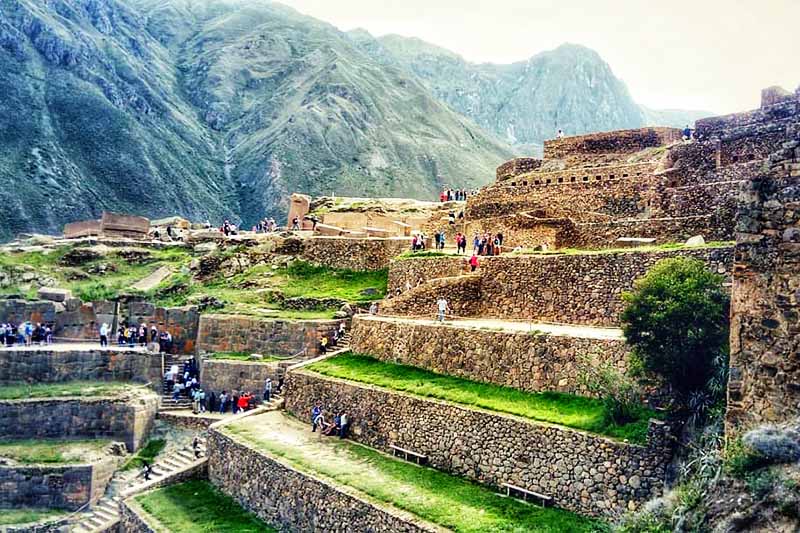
106,513
167,403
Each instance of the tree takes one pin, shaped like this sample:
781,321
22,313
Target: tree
676,321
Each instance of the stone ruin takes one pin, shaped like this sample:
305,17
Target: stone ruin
111,225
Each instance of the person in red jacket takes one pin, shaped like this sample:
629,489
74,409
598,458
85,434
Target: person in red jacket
473,262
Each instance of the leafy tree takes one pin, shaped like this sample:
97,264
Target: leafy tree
676,321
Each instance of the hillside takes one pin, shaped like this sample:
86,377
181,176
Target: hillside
524,103
209,110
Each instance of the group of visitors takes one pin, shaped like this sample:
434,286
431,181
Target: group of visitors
461,243
336,426
487,244
137,334
228,229
326,343
26,334
455,195
265,226
418,242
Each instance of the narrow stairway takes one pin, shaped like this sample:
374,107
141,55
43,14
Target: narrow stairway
104,514
167,403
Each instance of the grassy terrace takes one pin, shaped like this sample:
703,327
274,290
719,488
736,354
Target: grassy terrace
19,391
26,515
52,451
243,356
432,495
569,410
197,507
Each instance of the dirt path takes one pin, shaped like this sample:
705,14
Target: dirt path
153,279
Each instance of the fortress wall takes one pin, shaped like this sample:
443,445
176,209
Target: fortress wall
522,360
17,311
353,254
224,375
521,230
515,167
571,289
410,272
764,383
292,500
717,226
612,142
231,333
126,419
86,365
583,473
697,200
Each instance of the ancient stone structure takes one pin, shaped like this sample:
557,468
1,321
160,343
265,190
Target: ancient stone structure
299,206
584,473
526,361
42,366
284,337
112,225
353,254
224,375
299,501
66,487
126,418
765,332
571,289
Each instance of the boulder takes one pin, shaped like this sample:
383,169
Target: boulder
697,240
54,295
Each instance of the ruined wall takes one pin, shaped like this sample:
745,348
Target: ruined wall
410,272
291,500
596,236
515,167
17,311
572,289
231,333
43,366
522,360
584,473
764,381
353,254
127,419
221,375
612,142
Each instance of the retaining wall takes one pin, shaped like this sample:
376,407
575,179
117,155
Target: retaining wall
530,362
222,375
353,254
291,500
583,473
126,419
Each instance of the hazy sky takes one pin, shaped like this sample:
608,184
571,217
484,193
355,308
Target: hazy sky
713,55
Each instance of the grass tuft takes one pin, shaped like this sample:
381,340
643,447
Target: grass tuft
147,453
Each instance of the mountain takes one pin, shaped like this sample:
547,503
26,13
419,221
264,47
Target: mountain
209,109
569,88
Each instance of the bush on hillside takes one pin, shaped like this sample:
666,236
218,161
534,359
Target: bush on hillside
676,320
620,394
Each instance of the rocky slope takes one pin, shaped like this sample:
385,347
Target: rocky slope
569,88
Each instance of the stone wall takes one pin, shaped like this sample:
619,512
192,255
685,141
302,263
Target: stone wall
55,486
583,473
284,337
595,236
221,375
572,289
17,311
515,167
353,254
133,518
764,381
126,419
526,361
43,366
291,500
404,273
612,142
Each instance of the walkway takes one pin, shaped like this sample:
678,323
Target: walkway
558,330
79,346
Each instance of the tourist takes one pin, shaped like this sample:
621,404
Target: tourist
442,306
235,402
323,345
560,134
473,263
295,223
497,243
196,446
212,402
344,421
687,133
316,413
146,470
28,334
451,218
169,378
142,335
223,402
342,329
279,388
48,334
244,401
104,334
373,308
195,401
177,388
267,390
153,334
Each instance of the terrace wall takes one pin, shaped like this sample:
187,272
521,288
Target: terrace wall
222,375
530,362
583,473
55,486
126,419
291,500
612,142
83,365
353,254
230,333
571,289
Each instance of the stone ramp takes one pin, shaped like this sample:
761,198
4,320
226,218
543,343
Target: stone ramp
153,279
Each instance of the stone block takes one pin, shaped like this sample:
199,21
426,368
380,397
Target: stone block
54,295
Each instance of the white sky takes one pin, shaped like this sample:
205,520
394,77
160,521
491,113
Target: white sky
713,55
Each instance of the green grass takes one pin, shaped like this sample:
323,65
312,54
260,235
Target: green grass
310,281
435,496
196,506
17,391
52,451
243,356
148,453
26,515
569,410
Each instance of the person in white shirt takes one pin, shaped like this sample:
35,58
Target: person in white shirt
441,303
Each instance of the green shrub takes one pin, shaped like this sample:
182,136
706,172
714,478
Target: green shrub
620,394
741,460
676,321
